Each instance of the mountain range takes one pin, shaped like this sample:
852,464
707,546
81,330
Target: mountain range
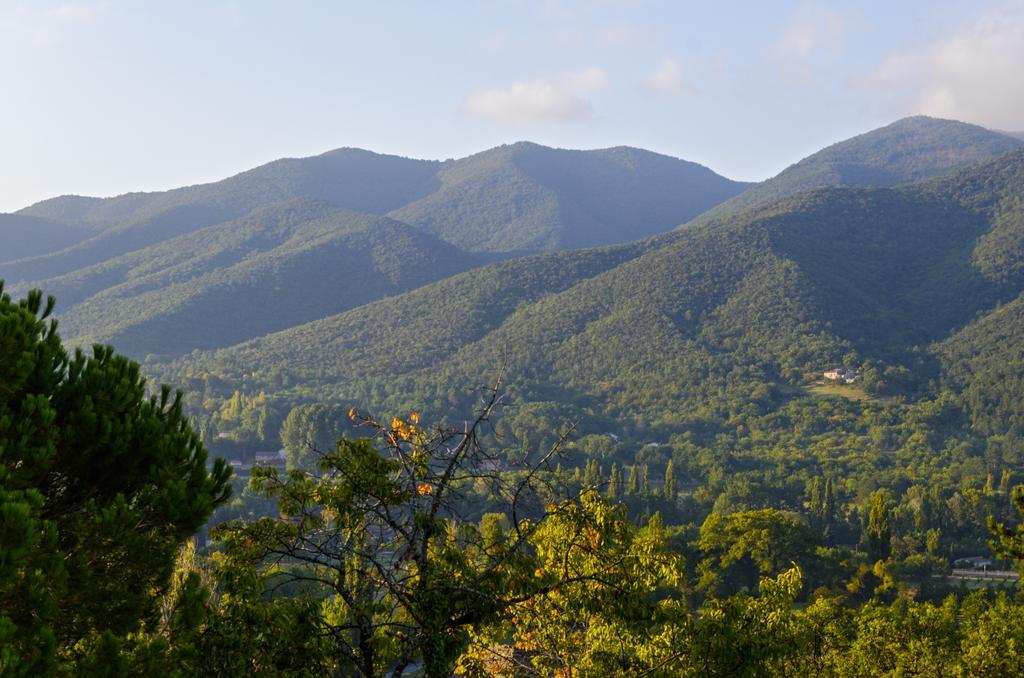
778,292
629,286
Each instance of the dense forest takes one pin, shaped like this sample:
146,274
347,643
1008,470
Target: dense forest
696,430
410,547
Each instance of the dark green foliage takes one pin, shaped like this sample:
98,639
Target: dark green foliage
99,488
414,330
986,361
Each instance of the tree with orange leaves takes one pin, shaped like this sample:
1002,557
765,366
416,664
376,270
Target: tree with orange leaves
379,532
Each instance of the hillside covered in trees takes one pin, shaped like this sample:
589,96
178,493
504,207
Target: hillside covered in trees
169,272
781,439
749,306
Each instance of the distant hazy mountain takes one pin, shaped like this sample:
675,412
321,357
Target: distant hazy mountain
26,236
280,266
348,178
352,178
908,150
776,292
527,198
293,242
521,198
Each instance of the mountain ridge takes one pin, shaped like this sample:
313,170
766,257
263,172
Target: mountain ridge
785,289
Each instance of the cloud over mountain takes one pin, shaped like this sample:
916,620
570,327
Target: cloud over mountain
973,74
538,101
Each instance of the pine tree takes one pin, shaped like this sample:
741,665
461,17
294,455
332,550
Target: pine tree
645,480
100,487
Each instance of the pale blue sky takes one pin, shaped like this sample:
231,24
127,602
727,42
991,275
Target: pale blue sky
102,97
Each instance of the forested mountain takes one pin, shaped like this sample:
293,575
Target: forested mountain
908,150
986,361
520,198
300,239
279,266
26,236
349,178
759,444
529,198
710,315
136,269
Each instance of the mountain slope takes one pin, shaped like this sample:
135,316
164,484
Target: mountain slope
986,361
906,151
349,178
25,236
712,317
422,327
352,178
521,198
280,266
529,198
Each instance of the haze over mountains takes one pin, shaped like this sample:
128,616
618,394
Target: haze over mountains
335,272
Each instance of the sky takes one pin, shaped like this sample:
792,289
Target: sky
102,97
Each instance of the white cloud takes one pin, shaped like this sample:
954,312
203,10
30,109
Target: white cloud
586,80
530,102
667,78
813,34
976,74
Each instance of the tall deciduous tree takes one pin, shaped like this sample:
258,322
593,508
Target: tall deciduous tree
878,531
1009,542
311,429
378,532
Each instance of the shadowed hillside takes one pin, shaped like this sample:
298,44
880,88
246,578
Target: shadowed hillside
726,309
25,236
280,266
529,198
